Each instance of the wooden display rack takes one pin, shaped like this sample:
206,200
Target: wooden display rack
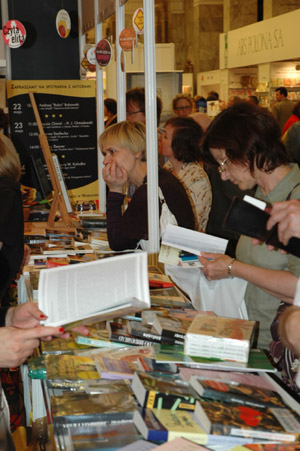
58,203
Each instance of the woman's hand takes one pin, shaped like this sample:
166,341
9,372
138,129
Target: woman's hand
215,266
28,315
18,344
287,215
115,177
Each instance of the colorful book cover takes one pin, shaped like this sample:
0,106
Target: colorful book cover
73,407
70,368
107,386
269,424
152,392
61,346
162,425
236,393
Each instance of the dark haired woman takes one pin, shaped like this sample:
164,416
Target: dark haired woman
244,143
181,145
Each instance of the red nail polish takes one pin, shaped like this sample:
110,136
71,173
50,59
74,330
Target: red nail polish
61,329
43,316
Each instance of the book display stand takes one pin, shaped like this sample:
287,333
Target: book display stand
58,203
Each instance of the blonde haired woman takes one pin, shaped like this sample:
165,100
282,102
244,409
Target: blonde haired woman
11,217
123,146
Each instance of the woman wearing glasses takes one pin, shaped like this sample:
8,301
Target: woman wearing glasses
182,105
244,142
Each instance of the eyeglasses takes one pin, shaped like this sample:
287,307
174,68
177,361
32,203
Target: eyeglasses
223,166
181,108
134,112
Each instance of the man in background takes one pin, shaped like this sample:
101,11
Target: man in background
283,109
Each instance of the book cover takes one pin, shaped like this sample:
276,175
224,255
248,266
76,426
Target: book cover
247,219
147,364
152,392
60,346
75,407
294,446
269,424
236,393
106,437
110,368
162,425
107,386
53,262
170,327
69,368
218,337
73,259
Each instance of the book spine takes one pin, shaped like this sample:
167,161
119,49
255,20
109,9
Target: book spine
130,340
156,337
165,333
168,401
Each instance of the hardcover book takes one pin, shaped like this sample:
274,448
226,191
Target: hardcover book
236,393
218,337
162,425
153,392
72,407
274,423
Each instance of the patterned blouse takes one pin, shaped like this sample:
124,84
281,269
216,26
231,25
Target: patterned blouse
197,185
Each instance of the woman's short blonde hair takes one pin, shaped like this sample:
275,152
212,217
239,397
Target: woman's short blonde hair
126,134
10,166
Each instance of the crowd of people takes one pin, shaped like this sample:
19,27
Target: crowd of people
240,151
202,165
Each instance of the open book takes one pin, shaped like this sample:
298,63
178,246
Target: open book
192,241
90,292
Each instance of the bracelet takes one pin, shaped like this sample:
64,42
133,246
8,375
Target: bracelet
230,268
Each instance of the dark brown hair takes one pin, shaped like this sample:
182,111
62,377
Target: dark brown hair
137,96
186,139
249,135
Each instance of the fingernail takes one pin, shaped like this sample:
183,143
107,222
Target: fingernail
61,329
43,316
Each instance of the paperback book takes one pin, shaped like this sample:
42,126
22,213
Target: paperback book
236,393
75,294
162,425
163,393
78,408
145,331
218,337
274,423
69,370
119,333
170,327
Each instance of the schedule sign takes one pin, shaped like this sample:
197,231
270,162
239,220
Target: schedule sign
68,113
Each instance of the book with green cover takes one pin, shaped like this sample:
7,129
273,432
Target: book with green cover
258,361
162,393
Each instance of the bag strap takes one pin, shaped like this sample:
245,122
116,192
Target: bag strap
291,192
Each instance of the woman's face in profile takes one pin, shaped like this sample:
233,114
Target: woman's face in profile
238,174
166,143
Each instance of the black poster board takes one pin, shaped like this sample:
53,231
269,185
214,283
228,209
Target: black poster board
68,114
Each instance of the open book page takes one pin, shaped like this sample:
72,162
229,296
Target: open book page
192,241
99,289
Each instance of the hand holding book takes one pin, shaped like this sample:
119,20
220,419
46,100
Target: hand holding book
287,215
